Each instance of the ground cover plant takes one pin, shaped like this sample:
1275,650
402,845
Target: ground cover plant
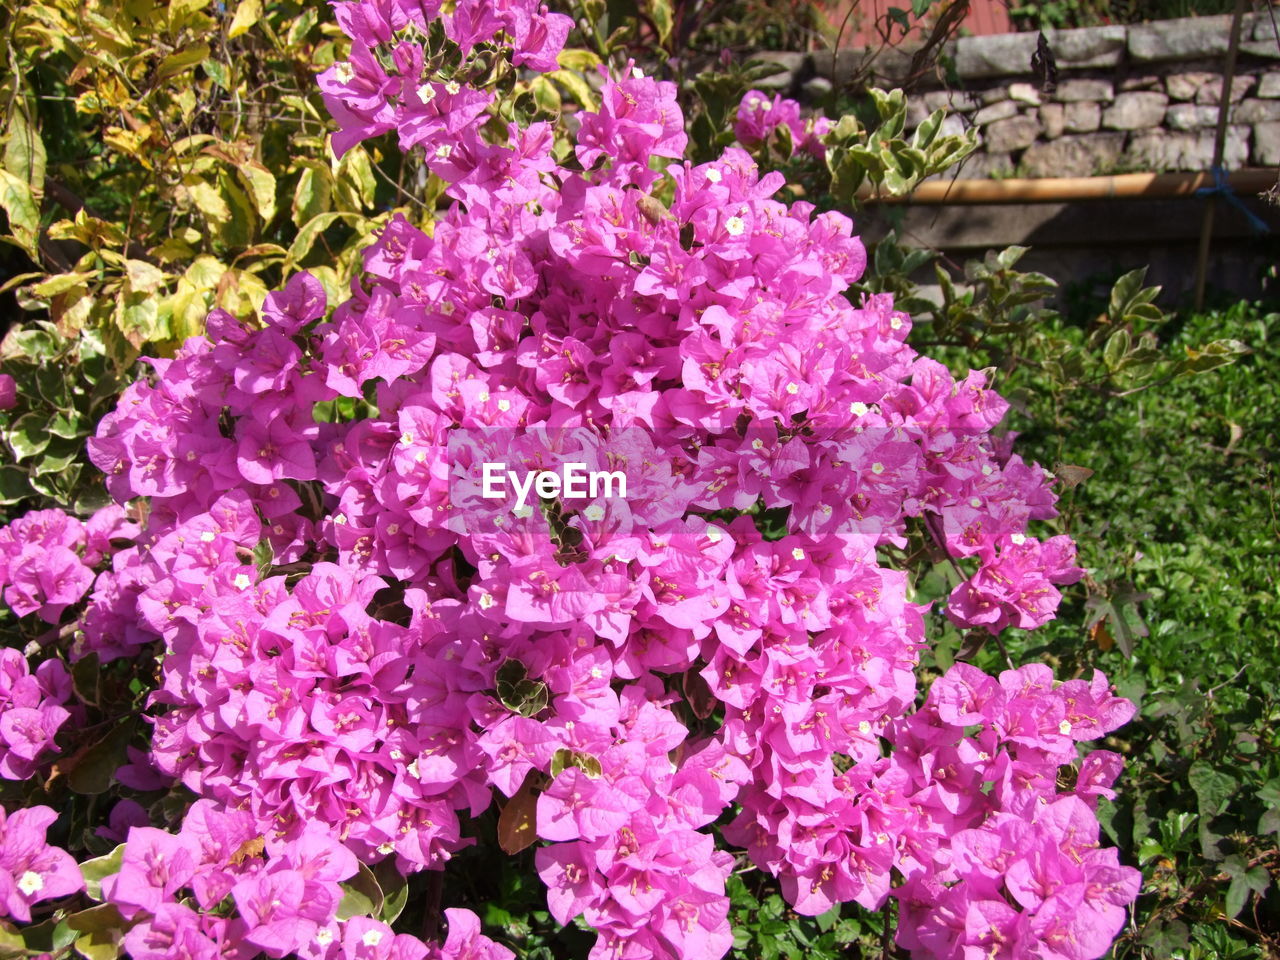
301,691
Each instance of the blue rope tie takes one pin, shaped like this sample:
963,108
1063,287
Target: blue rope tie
1221,188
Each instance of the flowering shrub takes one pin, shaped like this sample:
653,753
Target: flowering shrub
357,659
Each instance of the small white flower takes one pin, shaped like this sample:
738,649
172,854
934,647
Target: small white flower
385,848
443,151
406,438
343,72
637,73
793,388
1018,539
393,529
987,470
324,937
975,502
340,519
754,103
864,726
504,405
452,88
426,93
371,938
242,581
484,396
1064,727
208,536
757,444
877,468
486,601
714,534
594,512
30,882
797,553
413,769
447,309
736,226
895,323
858,408
714,175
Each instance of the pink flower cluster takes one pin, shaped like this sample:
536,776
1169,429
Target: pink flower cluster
31,712
47,558
759,117
358,652
30,869
369,95
285,894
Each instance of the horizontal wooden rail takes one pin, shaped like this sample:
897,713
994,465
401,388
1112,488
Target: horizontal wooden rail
1061,189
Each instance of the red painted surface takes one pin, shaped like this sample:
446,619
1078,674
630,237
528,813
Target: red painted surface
868,19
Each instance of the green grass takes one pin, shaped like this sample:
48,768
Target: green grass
1179,528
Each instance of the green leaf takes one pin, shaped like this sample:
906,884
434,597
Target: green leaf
14,485
28,436
311,195
92,768
564,758
263,557
101,931
517,692
1117,349
362,897
1213,788
99,868
307,236
185,59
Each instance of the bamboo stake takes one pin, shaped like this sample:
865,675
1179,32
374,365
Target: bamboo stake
1060,189
1219,145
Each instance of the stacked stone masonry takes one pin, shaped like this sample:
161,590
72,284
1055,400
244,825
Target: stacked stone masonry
1128,99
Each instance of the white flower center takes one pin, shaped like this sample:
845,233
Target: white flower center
30,882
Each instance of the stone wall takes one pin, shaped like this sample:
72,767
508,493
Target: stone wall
1128,99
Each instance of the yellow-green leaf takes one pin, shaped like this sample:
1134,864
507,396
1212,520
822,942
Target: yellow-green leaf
184,59
143,277
262,188
578,59
59,283
24,215
663,18
101,930
576,85
545,95
310,232
311,196
24,154
248,13
356,169
209,201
